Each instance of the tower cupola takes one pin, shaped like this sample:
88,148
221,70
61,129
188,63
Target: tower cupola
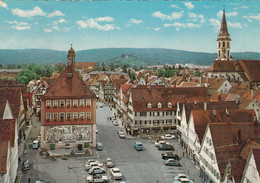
71,56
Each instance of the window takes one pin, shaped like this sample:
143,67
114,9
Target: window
149,105
48,103
142,113
135,122
223,44
169,105
62,116
159,105
55,103
48,116
88,101
68,103
75,115
88,115
75,103
82,103
228,44
81,115
62,103
219,44
55,116
68,116
218,53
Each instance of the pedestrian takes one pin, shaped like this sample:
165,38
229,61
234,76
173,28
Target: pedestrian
29,179
19,160
183,154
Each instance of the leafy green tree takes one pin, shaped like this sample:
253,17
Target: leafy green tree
124,68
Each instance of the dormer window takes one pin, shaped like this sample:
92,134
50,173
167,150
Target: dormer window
159,105
169,105
149,105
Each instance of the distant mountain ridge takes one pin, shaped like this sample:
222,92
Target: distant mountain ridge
158,55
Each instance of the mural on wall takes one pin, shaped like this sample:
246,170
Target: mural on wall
68,133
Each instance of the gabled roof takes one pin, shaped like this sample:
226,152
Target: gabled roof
247,148
229,140
188,84
251,69
212,83
201,118
227,66
118,82
7,130
85,66
126,87
69,84
141,96
3,156
239,89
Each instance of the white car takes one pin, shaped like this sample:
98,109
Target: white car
96,170
115,123
180,176
121,134
168,137
160,142
97,178
92,164
117,175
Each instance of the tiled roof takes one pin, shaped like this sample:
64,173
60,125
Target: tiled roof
118,82
4,83
7,130
251,69
217,96
141,96
201,118
239,89
256,153
247,148
86,66
256,95
188,84
225,66
3,156
213,83
228,140
69,84
125,87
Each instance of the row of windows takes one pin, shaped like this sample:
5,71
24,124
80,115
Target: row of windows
68,116
167,113
223,44
75,103
159,105
149,122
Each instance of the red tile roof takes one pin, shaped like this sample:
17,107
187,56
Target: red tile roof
213,83
69,84
251,69
247,148
225,66
141,96
3,156
7,130
85,66
118,82
126,87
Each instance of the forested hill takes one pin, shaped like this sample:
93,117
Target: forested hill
154,55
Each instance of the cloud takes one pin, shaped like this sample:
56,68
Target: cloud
19,25
56,13
157,29
240,7
173,16
174,6
4,5
189,5
220,14
135,21
257,17
28,13
92,24
215,24
194,17
177,29
61,20
104,19
47,30
56,28
192,25
235,25
183,25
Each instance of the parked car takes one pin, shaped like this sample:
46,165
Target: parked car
92,164
97,178
172,162
42,181
181,175
36,144
138,146
109,163
183,180
160,142
96,170
90,161
121,134
170,155
115,123
26,165
165,147
168,137
117,175
99,146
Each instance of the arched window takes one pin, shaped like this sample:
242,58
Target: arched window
223,44
149,105
219,44
159,105
169,105
218,53
228,44
228,53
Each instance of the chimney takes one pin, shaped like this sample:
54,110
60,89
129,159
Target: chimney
227,112
237,101
239,136
252,93
219,97
195,101
205,106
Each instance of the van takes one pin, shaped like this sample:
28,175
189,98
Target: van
138,146
99,146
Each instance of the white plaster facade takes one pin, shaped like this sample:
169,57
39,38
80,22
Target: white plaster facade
232,76
251,175
224,87
208,161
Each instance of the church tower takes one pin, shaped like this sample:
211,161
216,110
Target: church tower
71,56
224,41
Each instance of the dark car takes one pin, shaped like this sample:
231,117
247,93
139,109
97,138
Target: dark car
165,147
25,165
169,155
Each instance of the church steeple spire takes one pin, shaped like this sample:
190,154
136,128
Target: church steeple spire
224,41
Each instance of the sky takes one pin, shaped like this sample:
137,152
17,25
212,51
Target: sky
182,25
